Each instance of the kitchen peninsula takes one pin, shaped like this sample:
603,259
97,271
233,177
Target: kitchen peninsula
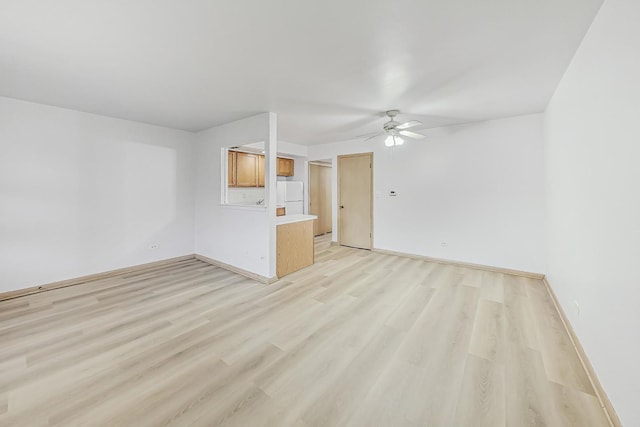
294,243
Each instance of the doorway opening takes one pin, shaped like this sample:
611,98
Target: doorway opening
320,173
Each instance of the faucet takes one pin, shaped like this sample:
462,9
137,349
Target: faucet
260,202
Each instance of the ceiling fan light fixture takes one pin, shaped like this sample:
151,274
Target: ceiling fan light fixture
389,142
393,140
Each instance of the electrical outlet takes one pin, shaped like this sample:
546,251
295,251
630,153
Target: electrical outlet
154,246
444,244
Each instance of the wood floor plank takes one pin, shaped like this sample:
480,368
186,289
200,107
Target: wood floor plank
391,400
488,338
575,408
450,309
406,314
528,400
560,359
519,318
492,287
482,395
358,339
334,407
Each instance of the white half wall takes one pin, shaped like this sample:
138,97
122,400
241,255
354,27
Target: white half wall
82,194
236,235
592,154
476,187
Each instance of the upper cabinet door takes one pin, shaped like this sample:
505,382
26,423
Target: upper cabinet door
247,170
285,167
232,168
260,171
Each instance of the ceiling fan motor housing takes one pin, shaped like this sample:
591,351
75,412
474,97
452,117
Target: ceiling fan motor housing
390,126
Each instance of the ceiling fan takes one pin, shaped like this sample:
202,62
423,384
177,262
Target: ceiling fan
396,130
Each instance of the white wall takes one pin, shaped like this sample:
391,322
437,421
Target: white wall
592,154
82,194
236,235
292,149
300,172
478,187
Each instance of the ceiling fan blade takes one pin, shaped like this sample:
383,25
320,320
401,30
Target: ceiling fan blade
366,135
411,134
373,136
409,124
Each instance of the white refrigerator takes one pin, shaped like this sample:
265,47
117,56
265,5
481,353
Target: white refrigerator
291,196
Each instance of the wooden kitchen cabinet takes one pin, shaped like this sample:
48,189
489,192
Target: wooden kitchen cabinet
285,167
260,171
294,247
246,170
232,168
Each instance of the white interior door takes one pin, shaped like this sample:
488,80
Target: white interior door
355,187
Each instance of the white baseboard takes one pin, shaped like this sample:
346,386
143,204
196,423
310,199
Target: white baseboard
530,275
603,399
237,270
78,280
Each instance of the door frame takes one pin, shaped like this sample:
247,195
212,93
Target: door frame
326,165
339,196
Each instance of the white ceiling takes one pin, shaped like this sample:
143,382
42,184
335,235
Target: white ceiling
326,67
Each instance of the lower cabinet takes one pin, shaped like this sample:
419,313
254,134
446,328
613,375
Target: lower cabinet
294,247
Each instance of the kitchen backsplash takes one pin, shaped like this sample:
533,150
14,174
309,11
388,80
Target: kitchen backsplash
245,196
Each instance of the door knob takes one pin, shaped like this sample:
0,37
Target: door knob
341,207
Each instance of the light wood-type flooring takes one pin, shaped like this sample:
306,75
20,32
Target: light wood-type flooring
358,339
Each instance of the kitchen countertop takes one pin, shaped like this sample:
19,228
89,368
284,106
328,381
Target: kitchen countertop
288,219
